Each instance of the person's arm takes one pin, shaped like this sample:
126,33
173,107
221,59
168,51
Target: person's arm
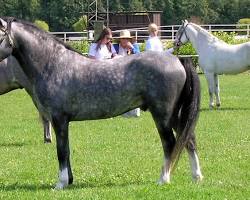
113,51
136,48
92,51
148,45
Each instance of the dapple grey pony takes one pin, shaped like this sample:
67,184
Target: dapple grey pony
70,87
12,77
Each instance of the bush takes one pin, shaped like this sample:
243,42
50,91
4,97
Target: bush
81,24
81,46
42,25
244,21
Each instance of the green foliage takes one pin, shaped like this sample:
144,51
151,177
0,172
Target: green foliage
42,25
81,46
226,37
244,21
229,38
81,24
187,49
243,24
142,46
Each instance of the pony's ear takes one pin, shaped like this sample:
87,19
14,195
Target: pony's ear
186,21
3,24
182,21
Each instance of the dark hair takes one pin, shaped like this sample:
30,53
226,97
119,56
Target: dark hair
105,31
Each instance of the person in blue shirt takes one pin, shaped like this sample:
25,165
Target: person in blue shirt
126,46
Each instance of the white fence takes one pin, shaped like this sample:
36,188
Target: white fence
166,32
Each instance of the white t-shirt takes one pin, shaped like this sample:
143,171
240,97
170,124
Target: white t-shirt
102,52
154,44
122,51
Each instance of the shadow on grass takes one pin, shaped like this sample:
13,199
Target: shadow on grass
13,144
44,187
224,109
108,185
25,186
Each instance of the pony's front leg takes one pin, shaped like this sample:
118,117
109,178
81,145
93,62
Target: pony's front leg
194,160
217,90
61,125
210,82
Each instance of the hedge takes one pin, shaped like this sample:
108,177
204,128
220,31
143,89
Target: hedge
42,25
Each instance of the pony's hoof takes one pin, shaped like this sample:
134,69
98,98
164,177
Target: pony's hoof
163,181
198,178
60,186
218,105
47,140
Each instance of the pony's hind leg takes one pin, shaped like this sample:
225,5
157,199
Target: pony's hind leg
46,130
194,160
217,90
61,125
211,88
168,142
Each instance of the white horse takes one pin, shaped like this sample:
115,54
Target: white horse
215,56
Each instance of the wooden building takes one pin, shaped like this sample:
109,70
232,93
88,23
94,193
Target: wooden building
128,20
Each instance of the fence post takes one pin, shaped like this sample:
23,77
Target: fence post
172,32
64,37
248,30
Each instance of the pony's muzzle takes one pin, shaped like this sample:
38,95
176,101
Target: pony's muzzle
177,44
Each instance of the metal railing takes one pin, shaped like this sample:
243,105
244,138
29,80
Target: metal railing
74,36
165,32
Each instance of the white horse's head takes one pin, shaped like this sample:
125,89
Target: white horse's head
6,43
181,35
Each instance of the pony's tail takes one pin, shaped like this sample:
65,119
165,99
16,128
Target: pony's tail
188,113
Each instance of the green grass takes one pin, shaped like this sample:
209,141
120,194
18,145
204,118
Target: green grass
121,158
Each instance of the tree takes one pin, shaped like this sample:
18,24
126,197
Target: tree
148,5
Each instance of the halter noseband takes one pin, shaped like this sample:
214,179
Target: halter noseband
7,32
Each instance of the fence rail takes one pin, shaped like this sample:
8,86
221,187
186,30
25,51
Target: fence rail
165,32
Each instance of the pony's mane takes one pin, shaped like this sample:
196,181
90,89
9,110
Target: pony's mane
204,31
31,26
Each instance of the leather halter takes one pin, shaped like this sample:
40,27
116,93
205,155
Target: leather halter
7,33
181,34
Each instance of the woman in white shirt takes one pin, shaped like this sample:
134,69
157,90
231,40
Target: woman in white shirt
102,48
153,43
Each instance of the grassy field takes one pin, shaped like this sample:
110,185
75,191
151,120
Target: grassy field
121,158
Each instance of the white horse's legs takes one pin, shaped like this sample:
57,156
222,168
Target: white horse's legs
211,86
217,90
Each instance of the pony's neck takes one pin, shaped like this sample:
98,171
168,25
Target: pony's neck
192,36
199,37
31,50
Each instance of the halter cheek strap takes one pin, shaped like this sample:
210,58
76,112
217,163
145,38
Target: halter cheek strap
183,32
7,32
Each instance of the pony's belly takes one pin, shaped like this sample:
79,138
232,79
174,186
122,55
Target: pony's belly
231,69
103,107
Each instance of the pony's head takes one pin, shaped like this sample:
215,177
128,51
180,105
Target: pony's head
6,42
181,35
